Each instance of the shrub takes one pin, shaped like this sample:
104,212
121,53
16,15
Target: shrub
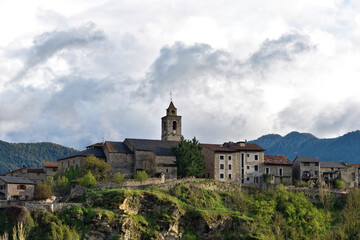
59,185
100,169
119,178
267,178
340,184
42,191
140,176
88,180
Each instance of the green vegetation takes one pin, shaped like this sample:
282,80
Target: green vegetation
33,155
140,176
88,180
340,184
190,160
99,168
42,192
118,178
201,209
60,185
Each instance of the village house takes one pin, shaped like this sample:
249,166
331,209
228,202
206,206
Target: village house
37,175
279,167
131,155
331,170
16,188
241,162
306,169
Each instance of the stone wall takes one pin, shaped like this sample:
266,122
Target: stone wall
65,164
166,164
274,171
12,190
350,176
209,159
38,205
122,162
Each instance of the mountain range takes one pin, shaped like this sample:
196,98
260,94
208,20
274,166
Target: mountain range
33,155
344,148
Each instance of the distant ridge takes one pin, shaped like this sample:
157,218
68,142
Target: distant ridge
344,148
14,155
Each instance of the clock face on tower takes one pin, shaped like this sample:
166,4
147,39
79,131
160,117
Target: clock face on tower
174,131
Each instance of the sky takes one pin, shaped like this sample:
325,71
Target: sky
79,72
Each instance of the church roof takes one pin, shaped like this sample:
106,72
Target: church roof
117,147
159,147
97,152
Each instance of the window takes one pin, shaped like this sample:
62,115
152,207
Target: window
247,167
280,171
2,187
221,175
167,170
229,166
221,166
221,157
208,175
54,169
229,158
267,170
248,155
317,164
247,179
229,176
21,186
174,125
353,176
256,168
256,179
256,157
316,173
306,164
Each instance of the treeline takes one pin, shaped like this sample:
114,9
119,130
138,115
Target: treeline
14,155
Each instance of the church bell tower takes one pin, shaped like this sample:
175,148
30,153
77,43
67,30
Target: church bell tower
171,125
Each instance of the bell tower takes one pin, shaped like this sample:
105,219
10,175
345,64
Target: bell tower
171,125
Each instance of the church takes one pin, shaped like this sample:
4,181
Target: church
131,155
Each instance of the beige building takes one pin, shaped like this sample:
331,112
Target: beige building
279,167
37,175
306,169
16,188
331,170
241,162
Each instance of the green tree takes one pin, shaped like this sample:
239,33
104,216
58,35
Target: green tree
190,160
119,178
42,191
88,180
99,168
340,184
59,184
140,176
73,173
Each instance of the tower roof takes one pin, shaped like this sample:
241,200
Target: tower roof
171,106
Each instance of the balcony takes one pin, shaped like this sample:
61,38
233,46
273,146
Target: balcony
309,176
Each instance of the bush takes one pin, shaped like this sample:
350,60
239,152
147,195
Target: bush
267,178
88,180
99,168
340,184
119,178
42,192
59,185
140,176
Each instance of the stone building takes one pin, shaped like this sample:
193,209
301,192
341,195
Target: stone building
331,170
241,162
279,167
131,155
16,188
350,175
306,169
37,175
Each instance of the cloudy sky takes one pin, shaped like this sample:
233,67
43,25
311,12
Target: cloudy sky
75,72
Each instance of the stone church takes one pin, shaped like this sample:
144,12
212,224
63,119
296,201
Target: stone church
131,155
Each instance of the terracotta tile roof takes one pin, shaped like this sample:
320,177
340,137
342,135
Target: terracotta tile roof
51,164
277,160
233,147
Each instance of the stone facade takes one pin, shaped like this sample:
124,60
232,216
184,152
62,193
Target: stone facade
350,175
171,125
306,169
280,169
16,188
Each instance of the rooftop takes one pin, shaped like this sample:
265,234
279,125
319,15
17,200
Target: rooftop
16,180
233,147
51,164
159,147
117,147
332,164
307,159
97,152
277,160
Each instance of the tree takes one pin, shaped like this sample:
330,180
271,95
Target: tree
140,176
190,160
88,180
99,168
119,178
42,192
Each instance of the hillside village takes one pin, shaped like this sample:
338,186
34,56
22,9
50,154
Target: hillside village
239,162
